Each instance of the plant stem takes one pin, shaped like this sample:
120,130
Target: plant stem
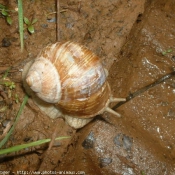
21,27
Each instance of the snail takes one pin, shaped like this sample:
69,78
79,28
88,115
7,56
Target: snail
67,79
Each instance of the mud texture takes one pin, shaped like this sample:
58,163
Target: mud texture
135,40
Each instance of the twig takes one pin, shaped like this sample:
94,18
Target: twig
6,130
53,138
142,90
58,20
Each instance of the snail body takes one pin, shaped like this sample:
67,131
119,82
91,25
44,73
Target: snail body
71,78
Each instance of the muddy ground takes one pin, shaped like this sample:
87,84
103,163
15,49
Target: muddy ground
136,42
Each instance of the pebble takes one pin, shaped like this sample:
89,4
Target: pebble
173,58
127,142
122,140
5,122
44,26
105,162
6,42
117,140
89,141
51,20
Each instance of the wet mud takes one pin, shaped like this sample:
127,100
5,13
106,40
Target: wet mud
135,40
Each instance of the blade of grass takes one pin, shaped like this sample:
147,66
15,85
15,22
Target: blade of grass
36,143
21,27
16,120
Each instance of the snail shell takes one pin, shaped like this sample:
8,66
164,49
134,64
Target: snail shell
72,78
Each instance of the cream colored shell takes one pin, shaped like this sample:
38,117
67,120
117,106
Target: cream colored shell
72,78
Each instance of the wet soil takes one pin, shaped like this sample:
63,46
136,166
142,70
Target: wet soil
135,40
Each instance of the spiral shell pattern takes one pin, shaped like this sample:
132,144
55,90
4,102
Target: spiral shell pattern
72,78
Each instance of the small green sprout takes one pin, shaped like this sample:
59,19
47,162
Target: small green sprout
143,173
5,12
16,98
9,84
167,51
30,24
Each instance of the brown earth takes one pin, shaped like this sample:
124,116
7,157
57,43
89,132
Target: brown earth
130,36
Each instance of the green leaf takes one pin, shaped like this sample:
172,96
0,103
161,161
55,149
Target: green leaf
31,29
4,12
12,85
143,173
164,53
169,50
16,98
2,6
9,20
26,20
7,83
34,21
